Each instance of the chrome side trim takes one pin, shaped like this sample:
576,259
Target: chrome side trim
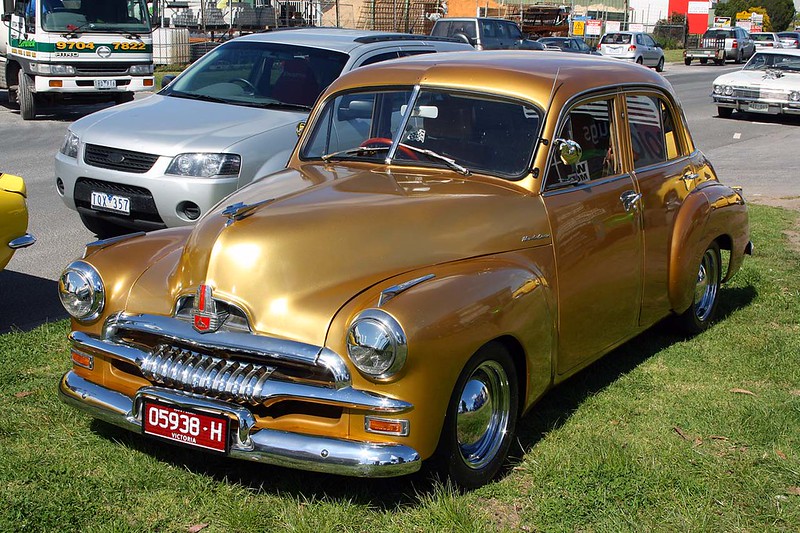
102,243
22,242
272,390
390,292
171,329
282,448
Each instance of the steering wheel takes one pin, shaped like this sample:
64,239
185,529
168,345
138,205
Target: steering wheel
388,142
245,84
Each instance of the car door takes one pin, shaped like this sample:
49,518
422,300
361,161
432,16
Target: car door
593,210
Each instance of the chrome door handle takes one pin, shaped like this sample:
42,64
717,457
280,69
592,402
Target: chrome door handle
629,199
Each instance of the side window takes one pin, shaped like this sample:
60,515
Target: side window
30,16
513,31
649,41
488,29
649,131
639,39
379,57
591,125
442,28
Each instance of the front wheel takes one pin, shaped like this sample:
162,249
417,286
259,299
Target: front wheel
26,98
123,98
481,418
660,65
687,61
703,310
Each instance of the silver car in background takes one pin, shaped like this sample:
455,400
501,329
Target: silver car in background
635,46
233,116
765,39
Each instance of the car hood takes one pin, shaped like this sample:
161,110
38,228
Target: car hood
306,241
756,78
167,125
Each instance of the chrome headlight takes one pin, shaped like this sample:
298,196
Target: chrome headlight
141,69
717,89
70,145
81,291
376,344
205,165
794,96
728,90
57,70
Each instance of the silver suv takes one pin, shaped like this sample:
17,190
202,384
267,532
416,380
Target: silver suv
233,116
485,33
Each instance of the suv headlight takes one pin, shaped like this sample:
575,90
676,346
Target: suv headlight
205,165
81,291
48,68
376,344
70,145
141,69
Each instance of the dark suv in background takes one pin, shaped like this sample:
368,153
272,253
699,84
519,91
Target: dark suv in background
485,33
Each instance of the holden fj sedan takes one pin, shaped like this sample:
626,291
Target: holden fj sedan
13,217
453,235
768,83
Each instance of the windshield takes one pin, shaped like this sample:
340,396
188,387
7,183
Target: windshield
95,16
464,132
784,62
260,74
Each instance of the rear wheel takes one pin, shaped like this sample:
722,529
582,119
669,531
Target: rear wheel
703,310
704,61
738,57
26,98
481,418
639,60
724,112
687,61
719,61
102,228
660,65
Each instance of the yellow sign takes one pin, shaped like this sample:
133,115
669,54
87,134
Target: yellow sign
578,27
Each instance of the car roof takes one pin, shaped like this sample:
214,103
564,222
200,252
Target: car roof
337,39
624,32
779,51
523,74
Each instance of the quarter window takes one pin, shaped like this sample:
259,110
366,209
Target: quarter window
591,125
654,138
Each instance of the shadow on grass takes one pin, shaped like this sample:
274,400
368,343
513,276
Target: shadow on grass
550,413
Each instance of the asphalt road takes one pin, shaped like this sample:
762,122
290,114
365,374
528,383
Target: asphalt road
757,153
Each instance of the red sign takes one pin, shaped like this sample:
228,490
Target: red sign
198,430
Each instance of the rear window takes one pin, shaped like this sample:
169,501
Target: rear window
718,34
763,37
616,38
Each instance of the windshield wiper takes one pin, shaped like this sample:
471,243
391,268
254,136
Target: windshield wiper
194,96
72,31
279,105
358,150
464,171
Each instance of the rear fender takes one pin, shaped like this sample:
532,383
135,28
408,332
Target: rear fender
711,212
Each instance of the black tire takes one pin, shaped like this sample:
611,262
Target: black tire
703,311
660,65
739,58
640,60
102,228
26,98
724,112
719,62
687,61
704,61
123,97
468,459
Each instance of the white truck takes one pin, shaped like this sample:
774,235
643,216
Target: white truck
55,52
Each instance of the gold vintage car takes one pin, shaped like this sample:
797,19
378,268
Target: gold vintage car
453,236
13,217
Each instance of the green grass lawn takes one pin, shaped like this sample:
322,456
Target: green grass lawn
663,434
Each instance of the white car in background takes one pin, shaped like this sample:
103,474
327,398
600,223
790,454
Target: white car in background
765,39
635,46
768,83
230,118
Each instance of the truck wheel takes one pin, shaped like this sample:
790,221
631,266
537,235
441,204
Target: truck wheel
703,310
660,65
26,98
719,61
704,61
687,61
481,418
103,229
724,112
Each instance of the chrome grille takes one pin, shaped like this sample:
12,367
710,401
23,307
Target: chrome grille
190,371
746,93
117,159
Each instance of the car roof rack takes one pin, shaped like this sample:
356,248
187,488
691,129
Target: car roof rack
404,37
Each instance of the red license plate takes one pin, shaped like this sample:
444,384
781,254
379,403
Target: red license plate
199,430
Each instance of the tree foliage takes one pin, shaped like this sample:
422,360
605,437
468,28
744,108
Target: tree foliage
781,12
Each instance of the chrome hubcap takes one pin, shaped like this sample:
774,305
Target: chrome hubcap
705,291
483,414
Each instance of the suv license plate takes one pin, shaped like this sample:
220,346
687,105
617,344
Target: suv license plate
105,84
758,107
185,426
111,202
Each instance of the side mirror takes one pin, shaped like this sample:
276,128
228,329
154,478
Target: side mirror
300,127
6,17
167,79
569,152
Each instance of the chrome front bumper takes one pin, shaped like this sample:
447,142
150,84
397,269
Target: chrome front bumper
282,448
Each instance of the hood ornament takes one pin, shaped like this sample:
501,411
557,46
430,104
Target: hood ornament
205,318
241,210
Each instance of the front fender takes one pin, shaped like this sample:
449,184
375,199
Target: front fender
446,319
711,212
